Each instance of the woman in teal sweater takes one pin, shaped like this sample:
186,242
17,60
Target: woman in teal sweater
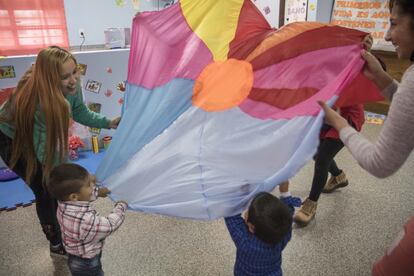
34,125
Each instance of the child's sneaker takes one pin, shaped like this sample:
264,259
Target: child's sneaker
58,251
306,213
335,182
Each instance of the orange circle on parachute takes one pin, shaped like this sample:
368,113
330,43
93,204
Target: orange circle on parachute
223,85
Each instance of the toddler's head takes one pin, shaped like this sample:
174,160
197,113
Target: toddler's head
71,182
268,218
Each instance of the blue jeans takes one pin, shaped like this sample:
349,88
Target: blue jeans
85,267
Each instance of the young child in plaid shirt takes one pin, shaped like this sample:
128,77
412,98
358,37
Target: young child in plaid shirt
83,230
261,235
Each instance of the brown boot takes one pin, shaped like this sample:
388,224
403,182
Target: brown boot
335,182
306,213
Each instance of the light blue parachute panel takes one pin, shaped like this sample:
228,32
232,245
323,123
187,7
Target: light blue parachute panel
207,165
146,114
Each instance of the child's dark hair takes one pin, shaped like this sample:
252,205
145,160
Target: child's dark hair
271,218
66,179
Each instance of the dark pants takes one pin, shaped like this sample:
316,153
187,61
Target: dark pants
324,163
85,267
45,205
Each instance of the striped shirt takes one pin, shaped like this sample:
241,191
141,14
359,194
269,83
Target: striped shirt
83,230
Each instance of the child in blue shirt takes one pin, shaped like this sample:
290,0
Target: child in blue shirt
261,235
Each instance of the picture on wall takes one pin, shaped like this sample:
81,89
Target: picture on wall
371,16
295,10
7,72
121,86
170,3
82,68
108,93
93,86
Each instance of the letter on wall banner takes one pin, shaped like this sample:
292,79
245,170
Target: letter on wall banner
371,16
208,123
295,11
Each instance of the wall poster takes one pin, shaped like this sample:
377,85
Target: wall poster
371,16
295,10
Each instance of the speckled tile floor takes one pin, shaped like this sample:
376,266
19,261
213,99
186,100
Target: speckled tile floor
352,229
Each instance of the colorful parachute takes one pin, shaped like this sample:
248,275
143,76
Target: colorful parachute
219,106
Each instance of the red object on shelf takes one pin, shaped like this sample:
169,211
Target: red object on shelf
5,94
75,142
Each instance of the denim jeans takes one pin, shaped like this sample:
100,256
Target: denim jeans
85,267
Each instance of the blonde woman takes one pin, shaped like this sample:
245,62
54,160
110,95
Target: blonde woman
34,126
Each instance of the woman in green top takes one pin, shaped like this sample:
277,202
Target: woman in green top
34,125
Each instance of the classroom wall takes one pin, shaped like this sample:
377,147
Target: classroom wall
270,10
93,16
324,10
105,67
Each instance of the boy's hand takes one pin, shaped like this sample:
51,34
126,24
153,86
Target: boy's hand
103,192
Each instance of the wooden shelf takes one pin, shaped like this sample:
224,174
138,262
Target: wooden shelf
378,107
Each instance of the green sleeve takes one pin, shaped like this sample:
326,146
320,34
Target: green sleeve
82,114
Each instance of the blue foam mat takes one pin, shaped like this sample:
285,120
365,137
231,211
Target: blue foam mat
16,193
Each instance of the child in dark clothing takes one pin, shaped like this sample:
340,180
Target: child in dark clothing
261,235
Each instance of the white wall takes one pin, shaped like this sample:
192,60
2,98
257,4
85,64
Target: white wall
93,16
324,10
273,7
